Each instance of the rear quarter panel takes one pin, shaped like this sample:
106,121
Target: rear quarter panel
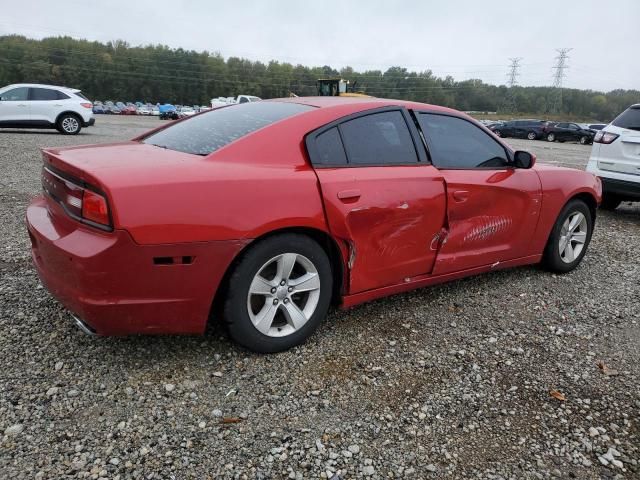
559,185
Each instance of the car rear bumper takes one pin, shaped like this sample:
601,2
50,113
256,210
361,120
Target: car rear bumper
621,188
89,123
117,287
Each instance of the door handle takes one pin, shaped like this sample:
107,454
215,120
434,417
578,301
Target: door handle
349,195
460,195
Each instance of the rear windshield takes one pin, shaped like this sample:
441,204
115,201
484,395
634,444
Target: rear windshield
207,132
630,119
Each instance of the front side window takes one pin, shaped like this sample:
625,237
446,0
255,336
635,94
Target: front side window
206,133
456,143
43,94
378,139
19,94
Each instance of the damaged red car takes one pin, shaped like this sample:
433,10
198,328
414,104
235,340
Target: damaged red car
264,214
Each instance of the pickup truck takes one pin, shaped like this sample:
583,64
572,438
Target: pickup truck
224,101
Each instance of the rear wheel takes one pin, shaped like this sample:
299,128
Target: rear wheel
584,140
610,202
532,135
569,238
69,124
551,137
278,293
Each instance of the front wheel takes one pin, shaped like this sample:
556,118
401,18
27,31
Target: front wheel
584,140
569,238
532,135
551,137
278,293
69,125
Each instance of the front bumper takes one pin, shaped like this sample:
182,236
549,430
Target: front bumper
117,287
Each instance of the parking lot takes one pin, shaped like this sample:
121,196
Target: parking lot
453,381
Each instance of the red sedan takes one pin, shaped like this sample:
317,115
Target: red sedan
265,213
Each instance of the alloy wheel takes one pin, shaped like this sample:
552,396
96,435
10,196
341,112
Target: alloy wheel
531,136
573,237
551,137
70,124
283,295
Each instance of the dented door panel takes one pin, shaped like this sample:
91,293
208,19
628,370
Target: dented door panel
492,217
388,216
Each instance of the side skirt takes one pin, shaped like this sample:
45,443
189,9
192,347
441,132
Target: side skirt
427,280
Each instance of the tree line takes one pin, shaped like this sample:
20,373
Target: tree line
157,73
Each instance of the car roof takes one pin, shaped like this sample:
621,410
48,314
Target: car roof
42,85
358,104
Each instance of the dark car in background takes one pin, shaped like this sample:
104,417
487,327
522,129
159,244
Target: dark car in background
569,132
531,129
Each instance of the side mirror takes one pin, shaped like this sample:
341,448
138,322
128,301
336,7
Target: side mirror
523,159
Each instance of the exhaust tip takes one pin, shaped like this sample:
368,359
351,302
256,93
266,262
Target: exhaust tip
83,326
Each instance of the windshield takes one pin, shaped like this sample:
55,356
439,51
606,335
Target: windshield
206,133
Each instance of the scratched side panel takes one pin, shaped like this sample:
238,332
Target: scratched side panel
390,227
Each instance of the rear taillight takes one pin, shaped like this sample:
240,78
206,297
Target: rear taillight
78,200
86,105
94,208
605,137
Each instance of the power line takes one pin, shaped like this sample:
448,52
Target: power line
509,104
558,76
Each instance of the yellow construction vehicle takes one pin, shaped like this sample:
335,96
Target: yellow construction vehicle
337,87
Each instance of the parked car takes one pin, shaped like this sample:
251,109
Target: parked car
111,110
186,112
144,110
31,105
145,236
98,108
223,101
615,158
569,132
129,110
168,112
531,129
155,111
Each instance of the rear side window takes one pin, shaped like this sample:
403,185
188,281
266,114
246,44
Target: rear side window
456,143
43,94
630,119
19,94
329,148
378,139
205,133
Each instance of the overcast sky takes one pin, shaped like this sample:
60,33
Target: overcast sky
462,38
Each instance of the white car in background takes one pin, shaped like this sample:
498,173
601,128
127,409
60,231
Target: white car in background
144,110
615,158
31,105
224,101
186,112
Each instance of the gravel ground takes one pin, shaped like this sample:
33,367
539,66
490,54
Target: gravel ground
452,381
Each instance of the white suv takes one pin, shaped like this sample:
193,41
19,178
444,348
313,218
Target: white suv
615,158
27,105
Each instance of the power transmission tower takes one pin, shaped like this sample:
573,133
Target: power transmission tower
558,76
509,104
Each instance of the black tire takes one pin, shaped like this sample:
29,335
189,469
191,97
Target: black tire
551,137
532,136
584,140
498,133
551,259
69,124
236,310
610,202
